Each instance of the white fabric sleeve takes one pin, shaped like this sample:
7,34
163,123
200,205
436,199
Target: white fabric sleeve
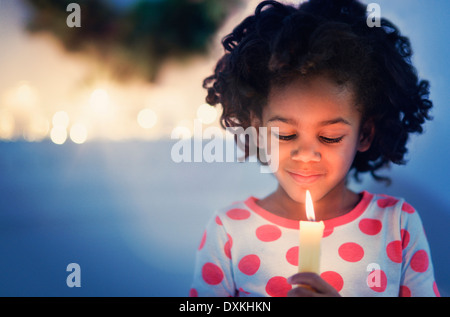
213,275
417,272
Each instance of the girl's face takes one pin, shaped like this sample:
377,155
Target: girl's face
319,135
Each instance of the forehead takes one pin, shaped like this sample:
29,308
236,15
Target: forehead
318,97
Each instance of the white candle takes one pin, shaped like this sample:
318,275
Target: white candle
310,236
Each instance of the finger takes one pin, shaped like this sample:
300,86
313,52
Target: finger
313,281
302,291
307,278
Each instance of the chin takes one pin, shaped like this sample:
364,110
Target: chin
297,193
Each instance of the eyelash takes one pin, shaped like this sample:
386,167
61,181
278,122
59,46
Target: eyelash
331,140
324,139
285,137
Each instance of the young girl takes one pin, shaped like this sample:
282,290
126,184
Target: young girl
341,96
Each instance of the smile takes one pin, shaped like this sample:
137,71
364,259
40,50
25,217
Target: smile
305,178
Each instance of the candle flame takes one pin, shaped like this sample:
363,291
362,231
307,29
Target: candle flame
309,207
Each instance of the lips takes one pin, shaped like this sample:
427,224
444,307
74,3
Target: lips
305,177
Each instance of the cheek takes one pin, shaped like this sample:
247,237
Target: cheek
340,160
284,151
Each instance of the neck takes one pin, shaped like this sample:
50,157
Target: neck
339,201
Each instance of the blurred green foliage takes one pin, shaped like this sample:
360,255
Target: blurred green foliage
137,39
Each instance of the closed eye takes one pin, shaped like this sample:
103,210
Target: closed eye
285,137
331,140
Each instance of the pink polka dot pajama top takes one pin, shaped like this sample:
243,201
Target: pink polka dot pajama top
377,249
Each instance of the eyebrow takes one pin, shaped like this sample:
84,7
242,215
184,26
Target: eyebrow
334,121
322,123
284,120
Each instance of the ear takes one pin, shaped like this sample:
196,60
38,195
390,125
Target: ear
366,136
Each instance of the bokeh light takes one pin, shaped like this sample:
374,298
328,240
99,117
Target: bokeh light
99,100
38,129
181,131
58,134
147,118
25,94
61,118
78,133
7,125
111,205
206,113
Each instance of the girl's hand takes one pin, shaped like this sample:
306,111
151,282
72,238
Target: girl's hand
310,285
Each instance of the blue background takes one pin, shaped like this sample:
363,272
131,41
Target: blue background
132,218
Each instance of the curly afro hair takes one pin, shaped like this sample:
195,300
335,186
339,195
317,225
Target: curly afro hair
324,37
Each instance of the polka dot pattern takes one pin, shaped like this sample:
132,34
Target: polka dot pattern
203,240
377,281
264,253
241,290
193,292
351,252
238,214
387,202
394,251
435,290
334,279
370,226
268,233
292,256
249,264
227,247
404,291
405,238
212,274
419,261
278,287
407,208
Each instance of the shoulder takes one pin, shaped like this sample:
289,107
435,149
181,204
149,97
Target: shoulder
248,216
237,210
232,215
222,225
390,203
393,209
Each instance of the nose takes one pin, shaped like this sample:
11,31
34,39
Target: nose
305,152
